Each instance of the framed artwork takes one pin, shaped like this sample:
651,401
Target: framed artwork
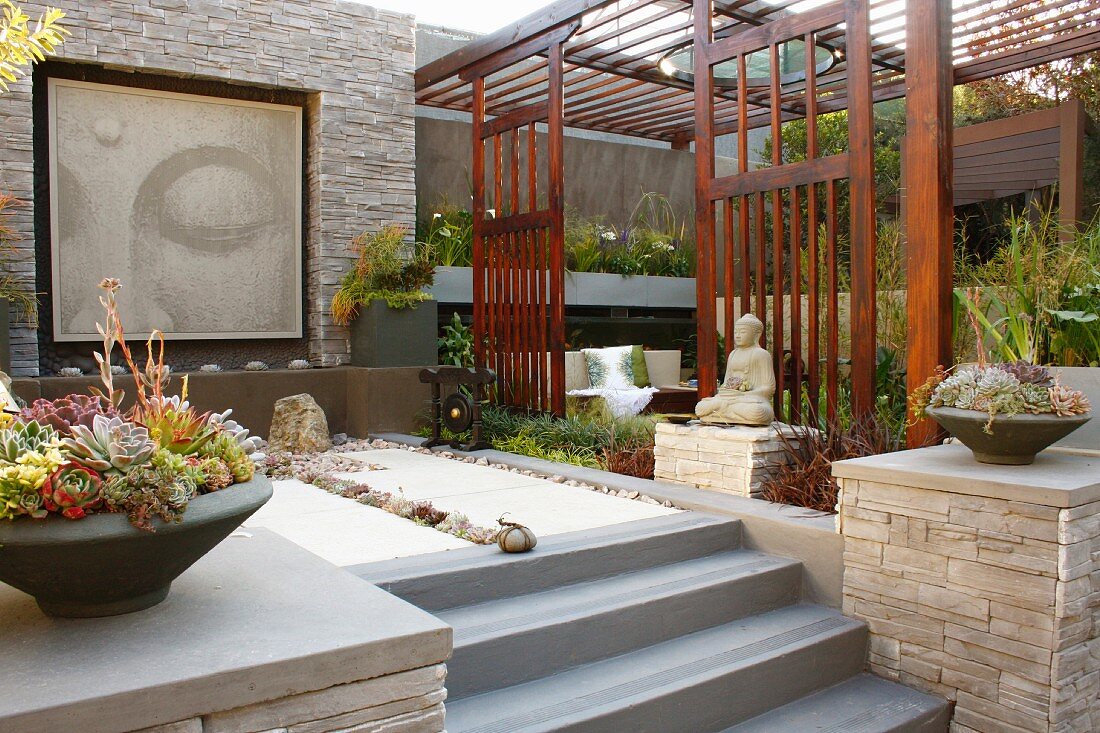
193,202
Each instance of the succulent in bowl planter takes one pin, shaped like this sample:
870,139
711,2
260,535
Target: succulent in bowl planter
1005,413
105,508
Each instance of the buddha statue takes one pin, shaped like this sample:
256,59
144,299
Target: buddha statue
745,397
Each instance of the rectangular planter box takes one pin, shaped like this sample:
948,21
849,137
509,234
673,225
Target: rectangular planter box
455,285
382,337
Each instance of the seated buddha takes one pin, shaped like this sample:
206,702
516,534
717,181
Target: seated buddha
745,397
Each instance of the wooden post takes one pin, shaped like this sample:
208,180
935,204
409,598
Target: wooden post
1071,168
929,215
705,277
556,182
480,325
861,139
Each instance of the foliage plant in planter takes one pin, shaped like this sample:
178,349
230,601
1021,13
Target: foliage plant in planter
1005,413
393,321
95,496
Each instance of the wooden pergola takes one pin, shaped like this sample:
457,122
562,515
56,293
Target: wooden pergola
689,71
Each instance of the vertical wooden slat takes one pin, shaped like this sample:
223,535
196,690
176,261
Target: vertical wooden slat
832,328
813,290
514,166
543,299
529,319
706,330
498,174
861,192
743,167
796,307
480,324
761,263
515,347
929,159
532,169
556,183
728,274
813,285
777,232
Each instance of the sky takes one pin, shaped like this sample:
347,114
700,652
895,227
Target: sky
481,16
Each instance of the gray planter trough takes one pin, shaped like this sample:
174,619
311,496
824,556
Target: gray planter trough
382,337
455,285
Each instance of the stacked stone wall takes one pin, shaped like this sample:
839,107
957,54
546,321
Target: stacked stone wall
356,64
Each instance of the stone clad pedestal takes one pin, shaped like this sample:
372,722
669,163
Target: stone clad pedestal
980,583
259,635
735,460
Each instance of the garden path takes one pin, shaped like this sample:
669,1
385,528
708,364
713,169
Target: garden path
345,532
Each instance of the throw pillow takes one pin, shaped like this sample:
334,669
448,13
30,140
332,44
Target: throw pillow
610,368
641,371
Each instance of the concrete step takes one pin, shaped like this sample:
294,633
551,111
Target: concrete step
589,621
704,681
463,577
863,704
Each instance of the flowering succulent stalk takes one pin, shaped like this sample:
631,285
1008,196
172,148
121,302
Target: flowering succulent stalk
72,491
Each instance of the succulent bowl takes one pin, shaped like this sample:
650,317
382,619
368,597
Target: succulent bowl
103,566
1014,440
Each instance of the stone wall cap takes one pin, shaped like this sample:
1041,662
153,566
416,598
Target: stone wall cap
257,619
740,433
1056,478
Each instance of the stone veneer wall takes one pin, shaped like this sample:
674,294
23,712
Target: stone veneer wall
408,702
354,61
990,602
734,460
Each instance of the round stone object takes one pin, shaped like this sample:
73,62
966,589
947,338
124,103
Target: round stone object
299,426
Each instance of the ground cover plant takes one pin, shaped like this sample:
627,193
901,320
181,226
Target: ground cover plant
322,474
83,454
588,437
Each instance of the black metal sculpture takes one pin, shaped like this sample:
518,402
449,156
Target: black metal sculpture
461,410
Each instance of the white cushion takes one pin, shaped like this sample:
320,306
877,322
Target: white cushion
610,368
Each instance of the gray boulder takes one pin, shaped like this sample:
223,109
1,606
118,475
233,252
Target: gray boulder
299,426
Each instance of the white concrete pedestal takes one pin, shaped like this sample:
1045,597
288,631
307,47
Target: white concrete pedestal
733,459
259,635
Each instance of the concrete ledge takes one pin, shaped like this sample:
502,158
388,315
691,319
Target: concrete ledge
1056,478
800,534
256,620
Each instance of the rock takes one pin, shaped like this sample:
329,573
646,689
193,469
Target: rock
666,504
340,439
633,495
558,479
299,426
482,461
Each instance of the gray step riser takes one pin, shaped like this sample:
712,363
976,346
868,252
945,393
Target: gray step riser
506,660
714,704
534,572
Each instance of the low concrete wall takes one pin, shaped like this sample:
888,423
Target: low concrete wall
356,400
235,648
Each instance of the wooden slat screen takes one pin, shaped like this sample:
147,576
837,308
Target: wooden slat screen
778,223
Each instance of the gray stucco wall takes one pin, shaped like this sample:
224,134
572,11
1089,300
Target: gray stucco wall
356,64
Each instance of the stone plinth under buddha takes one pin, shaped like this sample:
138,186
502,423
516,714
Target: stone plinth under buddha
733,459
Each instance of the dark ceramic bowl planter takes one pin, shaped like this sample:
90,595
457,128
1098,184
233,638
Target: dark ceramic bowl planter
1016,439
103,566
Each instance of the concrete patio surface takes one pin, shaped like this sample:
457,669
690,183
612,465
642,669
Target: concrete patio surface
345,532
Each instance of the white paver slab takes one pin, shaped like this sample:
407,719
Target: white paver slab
345,532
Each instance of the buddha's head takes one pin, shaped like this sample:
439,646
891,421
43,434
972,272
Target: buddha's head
747,331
